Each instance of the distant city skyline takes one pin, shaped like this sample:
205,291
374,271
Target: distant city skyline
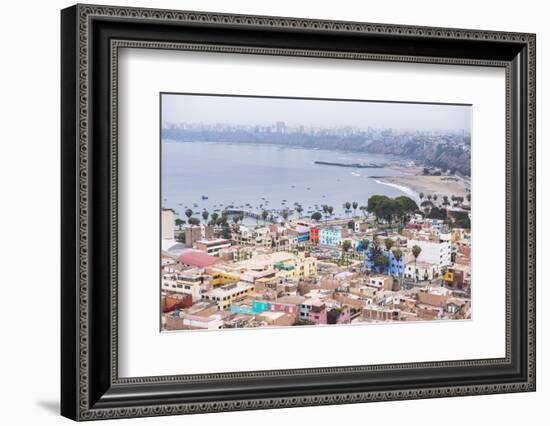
261,111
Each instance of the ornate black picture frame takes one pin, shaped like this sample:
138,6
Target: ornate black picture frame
91,36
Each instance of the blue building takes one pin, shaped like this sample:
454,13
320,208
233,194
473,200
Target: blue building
394,267
257,307
330,236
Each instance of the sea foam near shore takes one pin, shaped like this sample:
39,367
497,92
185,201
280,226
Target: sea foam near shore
401,188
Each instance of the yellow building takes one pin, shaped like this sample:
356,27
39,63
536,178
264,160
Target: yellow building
296,267
225,295
222,278
286,265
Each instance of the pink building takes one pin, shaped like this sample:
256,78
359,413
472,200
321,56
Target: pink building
318,313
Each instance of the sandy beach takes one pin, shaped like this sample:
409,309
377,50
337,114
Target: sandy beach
440,185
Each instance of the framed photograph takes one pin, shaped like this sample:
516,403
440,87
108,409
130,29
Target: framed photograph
263,212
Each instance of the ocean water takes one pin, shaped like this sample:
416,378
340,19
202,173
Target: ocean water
256,177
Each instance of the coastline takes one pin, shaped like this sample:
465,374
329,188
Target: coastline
406,189
415,184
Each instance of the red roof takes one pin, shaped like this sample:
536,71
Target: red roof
197,258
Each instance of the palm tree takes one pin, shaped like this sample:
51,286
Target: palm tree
388,242
398,255
446,200
364,210
421,195
347,206
429,197
330,209
236,220
325,211
205,215
355,204
469,196
346,245
299,209
214,218
416,250
188,213
435,197
179,222
265,214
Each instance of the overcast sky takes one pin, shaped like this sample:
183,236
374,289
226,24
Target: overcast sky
318,113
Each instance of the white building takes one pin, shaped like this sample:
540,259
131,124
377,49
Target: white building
192,282
213,247
212,322
381,282
424,271
168,219
433,252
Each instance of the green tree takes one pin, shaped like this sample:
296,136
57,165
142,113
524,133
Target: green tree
416,250
317,216
461,220
446,200
404,208
347,206
236,220
388,242
265,214
205,215
213,218
299,209
179,223
398,255
194,221
346,245
381,262
188,213
421,196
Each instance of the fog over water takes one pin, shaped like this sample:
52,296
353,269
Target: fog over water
236,110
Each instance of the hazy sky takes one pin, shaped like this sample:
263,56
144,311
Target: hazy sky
318,113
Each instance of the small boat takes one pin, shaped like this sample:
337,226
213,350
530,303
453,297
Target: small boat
204,197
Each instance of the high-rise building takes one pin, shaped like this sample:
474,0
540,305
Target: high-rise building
167,224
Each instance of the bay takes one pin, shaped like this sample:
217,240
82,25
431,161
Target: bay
213,176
